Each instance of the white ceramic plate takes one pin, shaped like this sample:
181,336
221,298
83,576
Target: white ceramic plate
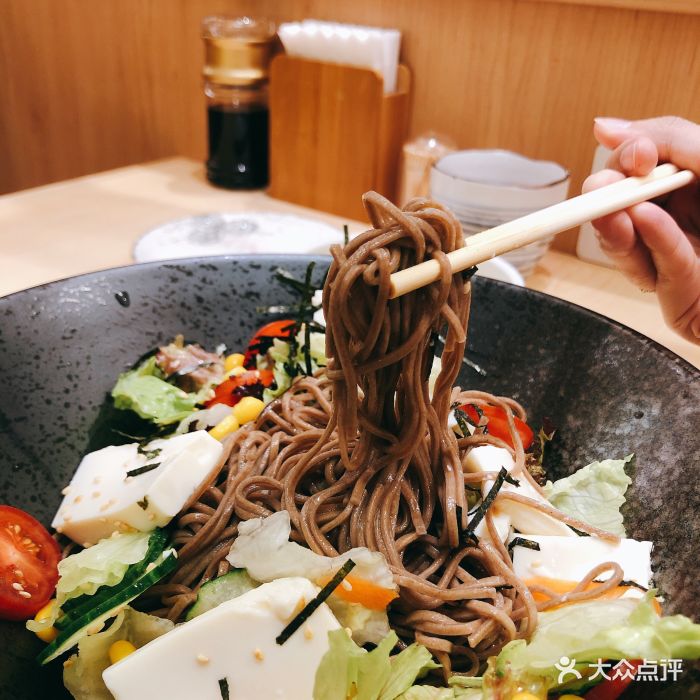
231,234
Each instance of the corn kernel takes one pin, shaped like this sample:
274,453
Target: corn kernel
120,650
233,361
248,409
236,371
225,427
524,695
48,634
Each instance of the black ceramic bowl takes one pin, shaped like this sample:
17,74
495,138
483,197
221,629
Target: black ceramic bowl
609,390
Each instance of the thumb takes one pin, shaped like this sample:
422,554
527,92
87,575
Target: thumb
677,140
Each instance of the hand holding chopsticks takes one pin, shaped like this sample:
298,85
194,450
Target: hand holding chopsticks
546,222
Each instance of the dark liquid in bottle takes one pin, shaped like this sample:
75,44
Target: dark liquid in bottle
238,153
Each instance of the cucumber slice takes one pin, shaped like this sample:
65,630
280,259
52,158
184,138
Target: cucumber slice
219,590
75,608
76,629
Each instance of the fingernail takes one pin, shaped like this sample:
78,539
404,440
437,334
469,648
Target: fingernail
628,157
612,123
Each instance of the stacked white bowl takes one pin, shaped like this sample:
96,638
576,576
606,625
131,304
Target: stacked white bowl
485,188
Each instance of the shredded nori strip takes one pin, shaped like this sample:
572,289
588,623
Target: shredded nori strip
512,480
626,582
143,504
148,454
346,234
522,542
223,688
144,469
462,420
310,608
484,506
305,316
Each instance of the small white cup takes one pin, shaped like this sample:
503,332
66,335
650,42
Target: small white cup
485,188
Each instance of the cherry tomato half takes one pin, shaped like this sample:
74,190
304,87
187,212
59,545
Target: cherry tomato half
612,688
29,559
249,383
498,423
263,338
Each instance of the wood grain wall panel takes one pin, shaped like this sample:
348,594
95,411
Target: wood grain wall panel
86,86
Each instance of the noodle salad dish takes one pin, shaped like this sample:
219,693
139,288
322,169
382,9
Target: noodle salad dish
325,514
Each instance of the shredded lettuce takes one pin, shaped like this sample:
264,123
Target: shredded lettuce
83,674
623,628
264,550
144,391
594,494
103,564
279,354
347,670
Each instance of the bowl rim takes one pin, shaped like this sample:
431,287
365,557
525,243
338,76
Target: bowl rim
269,257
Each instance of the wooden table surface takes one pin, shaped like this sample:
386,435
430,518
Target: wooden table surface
92,223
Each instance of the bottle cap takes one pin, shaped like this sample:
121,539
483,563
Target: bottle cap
237,50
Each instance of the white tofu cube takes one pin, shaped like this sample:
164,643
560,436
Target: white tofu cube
235,641
570,559
102,497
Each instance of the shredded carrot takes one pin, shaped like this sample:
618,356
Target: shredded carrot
561,586
358,590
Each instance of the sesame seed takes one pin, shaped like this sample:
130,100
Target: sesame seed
259,656
202,659
17,529
97,480
59,530
107,504
346,585
69,662
96,494
78,498
18,586
151,516
66,491
24,594
308,633
67,518
19,573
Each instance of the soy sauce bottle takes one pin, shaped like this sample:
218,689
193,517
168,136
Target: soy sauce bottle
237,56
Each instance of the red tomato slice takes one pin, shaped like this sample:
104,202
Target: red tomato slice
498,424
29,559
613,688
233,389
263,337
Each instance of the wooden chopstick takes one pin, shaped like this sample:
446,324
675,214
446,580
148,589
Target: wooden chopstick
545,222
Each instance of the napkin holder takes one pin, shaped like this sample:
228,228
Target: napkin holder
334,134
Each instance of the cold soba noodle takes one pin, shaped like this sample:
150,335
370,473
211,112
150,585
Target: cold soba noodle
362,455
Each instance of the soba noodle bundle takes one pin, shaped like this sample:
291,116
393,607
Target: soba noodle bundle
362,455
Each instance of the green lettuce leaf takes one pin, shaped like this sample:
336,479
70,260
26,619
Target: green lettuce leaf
593,494
82,675
144,391
623,628
103,564
279,354
347,670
